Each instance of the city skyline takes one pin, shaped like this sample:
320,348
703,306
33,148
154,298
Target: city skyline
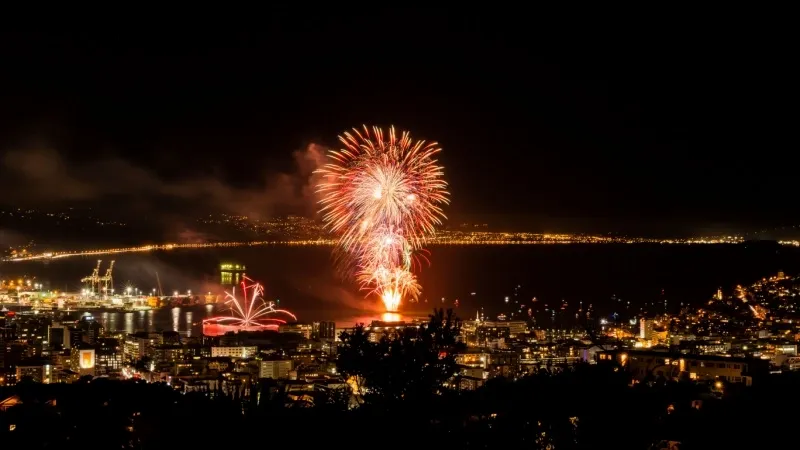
468,227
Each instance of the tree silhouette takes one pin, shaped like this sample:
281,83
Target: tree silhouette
412,365
143,364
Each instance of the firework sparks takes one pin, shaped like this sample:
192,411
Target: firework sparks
251,313
383,196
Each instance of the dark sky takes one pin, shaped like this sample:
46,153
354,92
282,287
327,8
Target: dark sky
584,126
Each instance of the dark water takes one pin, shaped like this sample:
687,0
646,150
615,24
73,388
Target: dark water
303,280
185,319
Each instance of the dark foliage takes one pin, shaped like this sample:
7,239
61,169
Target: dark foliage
410,367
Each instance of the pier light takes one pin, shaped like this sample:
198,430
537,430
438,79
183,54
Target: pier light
189,292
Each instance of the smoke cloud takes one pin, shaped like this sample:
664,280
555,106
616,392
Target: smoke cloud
9,238
40,177
147,272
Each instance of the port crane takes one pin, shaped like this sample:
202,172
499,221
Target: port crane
108,280
97,284
93,280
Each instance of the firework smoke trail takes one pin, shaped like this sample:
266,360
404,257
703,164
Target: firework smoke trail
383,196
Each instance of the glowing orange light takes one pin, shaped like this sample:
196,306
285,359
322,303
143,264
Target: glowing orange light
86,360
391,317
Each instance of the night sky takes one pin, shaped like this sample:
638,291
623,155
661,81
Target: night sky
581,127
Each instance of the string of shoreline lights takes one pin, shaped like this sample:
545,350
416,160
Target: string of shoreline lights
483,239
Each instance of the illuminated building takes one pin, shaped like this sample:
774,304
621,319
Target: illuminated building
492,337
646,328
474,372
40,373
231,274
469,326
324,330
167,353
476,360
75,336
58,336
467,383
786,349
377,329
515,327
91,328
233,352
137,345
643,363
299,328
652,332
792,363
619,333
275,369
705,347
108,356
82,360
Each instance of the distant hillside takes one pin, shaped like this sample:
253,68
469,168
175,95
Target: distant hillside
75,229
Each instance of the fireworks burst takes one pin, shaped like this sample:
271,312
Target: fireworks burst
383,196
250,314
